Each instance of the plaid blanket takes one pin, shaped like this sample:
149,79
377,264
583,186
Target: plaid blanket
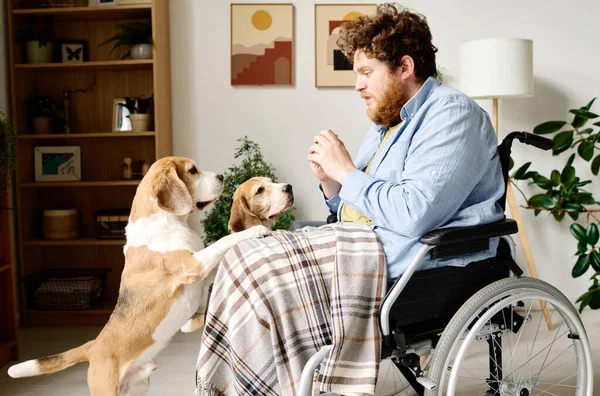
277,300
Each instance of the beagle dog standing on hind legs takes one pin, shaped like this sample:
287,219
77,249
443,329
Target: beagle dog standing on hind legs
161,285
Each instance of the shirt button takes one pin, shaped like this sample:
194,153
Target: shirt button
433,173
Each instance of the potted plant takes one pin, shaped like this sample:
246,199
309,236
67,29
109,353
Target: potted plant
8,153
253,164
36,34
563,194
137,36
139,112
42,111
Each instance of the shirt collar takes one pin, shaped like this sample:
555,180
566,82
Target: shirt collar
414,104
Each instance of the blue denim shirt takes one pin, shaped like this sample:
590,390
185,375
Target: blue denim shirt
440,169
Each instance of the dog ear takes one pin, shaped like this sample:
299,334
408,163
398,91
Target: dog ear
172,195
241,217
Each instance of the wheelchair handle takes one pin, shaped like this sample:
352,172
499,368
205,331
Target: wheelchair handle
532,140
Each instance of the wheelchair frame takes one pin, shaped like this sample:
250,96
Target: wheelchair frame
444,243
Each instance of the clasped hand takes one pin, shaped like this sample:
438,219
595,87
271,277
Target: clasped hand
329,158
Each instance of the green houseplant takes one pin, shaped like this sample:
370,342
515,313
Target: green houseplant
36,35
43,111
253,164
8,154
135,35
563,193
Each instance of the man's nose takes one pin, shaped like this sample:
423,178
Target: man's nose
360,85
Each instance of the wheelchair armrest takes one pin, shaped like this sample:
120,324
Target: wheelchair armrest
448,236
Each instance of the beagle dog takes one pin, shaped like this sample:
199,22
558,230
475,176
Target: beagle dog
161,285
259,201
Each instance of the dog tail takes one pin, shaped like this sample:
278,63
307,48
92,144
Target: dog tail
51,364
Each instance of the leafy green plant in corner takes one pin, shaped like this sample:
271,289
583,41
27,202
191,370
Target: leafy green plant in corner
8,153
562,193
130,34
253,164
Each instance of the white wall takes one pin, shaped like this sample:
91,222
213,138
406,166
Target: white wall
209,115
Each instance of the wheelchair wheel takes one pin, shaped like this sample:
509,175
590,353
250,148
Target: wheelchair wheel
498,343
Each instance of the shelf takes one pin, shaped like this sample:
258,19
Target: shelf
83,66
108,183
92,13
75,242
4,268
85,135
94,317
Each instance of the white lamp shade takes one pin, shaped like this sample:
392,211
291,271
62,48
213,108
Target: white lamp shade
495,68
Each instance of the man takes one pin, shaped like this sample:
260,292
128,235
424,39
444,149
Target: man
429,160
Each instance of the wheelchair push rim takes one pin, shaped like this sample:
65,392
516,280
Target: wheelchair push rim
473,322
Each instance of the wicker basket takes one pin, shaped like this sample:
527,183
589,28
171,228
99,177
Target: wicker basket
61,224
66,288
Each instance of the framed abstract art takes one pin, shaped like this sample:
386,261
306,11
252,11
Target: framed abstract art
262,38
332,69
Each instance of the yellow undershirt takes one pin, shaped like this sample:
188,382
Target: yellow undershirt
349,214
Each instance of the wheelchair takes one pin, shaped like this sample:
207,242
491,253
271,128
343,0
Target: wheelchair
477,326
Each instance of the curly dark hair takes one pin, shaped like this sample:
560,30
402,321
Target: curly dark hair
390,34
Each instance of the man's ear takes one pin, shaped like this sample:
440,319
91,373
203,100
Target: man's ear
172,195
406,68
241,217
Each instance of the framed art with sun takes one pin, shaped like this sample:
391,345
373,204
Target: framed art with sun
262,37
332,69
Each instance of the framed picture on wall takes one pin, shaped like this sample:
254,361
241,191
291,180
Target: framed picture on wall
332,69
57,163
262,40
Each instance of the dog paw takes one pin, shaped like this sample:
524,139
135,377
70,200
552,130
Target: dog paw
259,231
193,324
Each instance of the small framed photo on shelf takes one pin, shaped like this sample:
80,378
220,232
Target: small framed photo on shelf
73,51
121,121
100,3
57,163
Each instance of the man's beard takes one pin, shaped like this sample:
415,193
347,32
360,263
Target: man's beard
388,106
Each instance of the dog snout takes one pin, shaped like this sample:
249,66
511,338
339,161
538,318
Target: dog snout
220,177
287,188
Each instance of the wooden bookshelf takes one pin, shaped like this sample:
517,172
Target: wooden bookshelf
102,151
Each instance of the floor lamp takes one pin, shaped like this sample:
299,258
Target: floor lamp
501,68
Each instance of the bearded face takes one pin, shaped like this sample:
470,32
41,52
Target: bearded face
384,108
382,89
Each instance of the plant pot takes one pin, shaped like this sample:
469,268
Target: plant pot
140,122
42,125
39,53
141,51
